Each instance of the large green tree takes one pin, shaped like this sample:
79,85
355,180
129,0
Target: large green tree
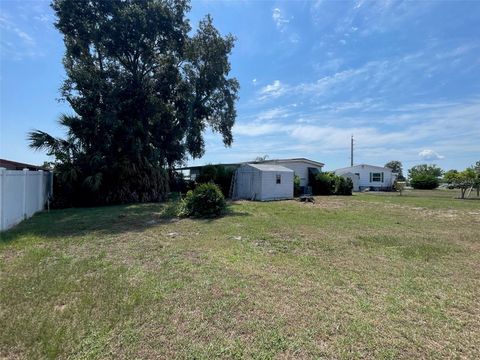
143,89
425,176
425,170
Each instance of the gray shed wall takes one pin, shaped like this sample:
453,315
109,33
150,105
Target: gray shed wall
254,184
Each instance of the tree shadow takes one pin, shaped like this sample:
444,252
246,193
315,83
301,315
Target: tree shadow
108,220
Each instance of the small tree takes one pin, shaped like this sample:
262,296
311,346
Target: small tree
463,180
399,186
396,167
476,168
449,177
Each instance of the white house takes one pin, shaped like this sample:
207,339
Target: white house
302,167
263,182
369,177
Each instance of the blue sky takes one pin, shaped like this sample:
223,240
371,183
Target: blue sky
402,77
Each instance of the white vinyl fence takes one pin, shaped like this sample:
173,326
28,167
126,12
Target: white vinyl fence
22,194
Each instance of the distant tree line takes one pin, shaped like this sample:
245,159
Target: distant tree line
429,176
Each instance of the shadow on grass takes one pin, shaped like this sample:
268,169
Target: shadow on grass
110,220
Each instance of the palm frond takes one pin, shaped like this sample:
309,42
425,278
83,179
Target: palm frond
40,140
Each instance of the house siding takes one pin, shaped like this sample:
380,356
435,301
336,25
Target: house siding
364,176
300,169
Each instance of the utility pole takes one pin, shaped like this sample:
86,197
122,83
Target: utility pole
351,152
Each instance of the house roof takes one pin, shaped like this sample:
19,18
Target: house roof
275,161
363,166
269,167
311,162
14,165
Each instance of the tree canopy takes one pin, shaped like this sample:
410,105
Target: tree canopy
396,167
143,89
464,180
425,169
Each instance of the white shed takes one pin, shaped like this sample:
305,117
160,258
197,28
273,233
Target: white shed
263,182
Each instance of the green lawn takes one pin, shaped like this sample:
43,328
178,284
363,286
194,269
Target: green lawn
367,276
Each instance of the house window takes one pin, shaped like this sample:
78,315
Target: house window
358,174
279,179
376,177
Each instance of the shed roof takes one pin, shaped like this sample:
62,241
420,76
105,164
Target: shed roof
270,167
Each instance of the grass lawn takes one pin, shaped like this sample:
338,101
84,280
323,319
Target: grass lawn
367,276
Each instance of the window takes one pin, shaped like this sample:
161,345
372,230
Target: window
279,179
376,177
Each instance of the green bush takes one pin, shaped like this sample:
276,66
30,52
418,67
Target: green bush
206,200
296,186
424,181
331,184
343,186
323,184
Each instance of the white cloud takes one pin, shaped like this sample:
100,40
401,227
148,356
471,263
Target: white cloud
254,82
11,27
428,155
326,83
283,25
449,128
16,43
272,90
279,19
274,113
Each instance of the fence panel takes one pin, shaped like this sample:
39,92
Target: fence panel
22,194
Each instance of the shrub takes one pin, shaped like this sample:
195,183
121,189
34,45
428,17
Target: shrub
323,184
331,184
343,186
206,200
424,181
296,186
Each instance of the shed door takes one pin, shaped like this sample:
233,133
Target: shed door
244,184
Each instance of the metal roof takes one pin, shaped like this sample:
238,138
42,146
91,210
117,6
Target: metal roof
363,166
271,161
270,167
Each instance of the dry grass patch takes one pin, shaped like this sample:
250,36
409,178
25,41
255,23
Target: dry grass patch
368,276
